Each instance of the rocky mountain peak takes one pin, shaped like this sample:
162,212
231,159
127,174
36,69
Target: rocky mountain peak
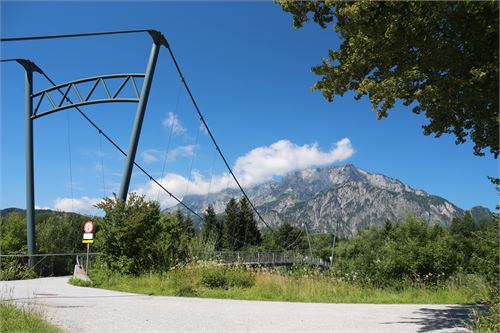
347,194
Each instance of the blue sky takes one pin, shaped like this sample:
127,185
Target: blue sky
250,73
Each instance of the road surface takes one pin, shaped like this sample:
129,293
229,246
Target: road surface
81,310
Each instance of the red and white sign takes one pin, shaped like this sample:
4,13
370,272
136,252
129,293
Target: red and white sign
88,227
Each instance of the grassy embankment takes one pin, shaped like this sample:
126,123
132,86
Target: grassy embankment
299,285
24,319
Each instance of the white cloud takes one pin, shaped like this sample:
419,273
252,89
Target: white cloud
263,163
83,205
256,167
172,122
150,156
184,151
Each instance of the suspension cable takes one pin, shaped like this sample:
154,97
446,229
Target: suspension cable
121,150
308,240
294,242
16,39
188,180
101,155
68,134
9,60
211,177
213,138
167,149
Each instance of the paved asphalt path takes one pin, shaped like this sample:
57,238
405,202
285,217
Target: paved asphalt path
81,310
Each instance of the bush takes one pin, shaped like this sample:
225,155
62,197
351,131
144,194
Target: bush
214,277
80,283
240,277
135,237
414,252
11,269
225,277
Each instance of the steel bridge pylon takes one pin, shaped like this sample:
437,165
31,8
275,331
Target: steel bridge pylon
64,103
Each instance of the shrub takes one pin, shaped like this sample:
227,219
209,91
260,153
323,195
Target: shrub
186,291
11,269
80,283
225,277
240,277
135,237
413,252
214,277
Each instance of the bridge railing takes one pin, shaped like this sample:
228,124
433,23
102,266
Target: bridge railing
262,258
46,264
58,264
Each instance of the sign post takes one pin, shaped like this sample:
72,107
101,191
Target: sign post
88,238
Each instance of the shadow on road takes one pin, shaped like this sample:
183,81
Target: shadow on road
449,318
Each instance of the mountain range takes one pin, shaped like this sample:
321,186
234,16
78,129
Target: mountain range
343,197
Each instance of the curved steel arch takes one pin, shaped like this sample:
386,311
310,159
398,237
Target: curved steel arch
99,81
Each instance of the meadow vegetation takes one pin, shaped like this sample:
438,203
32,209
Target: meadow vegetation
24,319
299,284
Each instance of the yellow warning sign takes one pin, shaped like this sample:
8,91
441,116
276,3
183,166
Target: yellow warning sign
88,241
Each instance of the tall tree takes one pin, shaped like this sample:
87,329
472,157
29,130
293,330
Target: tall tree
439,57
232,227
212,228
186,224
251,233
179,216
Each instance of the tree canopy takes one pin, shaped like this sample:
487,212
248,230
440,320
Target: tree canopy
441,58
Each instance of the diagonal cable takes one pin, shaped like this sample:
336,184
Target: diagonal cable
213,138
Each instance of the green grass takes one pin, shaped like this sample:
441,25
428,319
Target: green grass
23,319
212,281
80,283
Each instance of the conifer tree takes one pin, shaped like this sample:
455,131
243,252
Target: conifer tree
212,228
188,227
251,234
231,226
186,224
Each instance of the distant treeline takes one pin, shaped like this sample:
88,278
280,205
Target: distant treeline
135,237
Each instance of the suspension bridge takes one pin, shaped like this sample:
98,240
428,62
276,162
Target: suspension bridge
56,98
45,264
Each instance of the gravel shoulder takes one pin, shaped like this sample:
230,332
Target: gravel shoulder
78,309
